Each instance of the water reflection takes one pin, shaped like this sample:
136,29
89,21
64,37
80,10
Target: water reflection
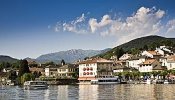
88,92
92,92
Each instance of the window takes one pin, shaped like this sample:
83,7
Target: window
63,69
170,65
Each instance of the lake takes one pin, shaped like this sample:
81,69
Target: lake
92,92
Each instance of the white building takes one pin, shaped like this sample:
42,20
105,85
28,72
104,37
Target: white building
134,62
68,70
159,50
51,70
151,65
125,56
151,54
171,62
92,68
165,49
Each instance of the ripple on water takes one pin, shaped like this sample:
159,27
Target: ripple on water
92,92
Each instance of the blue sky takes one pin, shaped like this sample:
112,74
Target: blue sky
29,28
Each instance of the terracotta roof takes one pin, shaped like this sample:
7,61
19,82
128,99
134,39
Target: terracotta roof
154,53
95,60
171,58
159,67
68,66
32,69
53,66
148,61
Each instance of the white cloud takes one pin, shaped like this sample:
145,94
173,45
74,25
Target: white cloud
171,27
75,26
146,21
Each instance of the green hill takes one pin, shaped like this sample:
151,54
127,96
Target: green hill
7,59
150,42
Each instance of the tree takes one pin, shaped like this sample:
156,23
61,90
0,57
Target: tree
5,65
172,72
164,74
145,47
27,77
16,64
63,62
36,74
119,52
49,63
155,73
135,51
23,67
12,75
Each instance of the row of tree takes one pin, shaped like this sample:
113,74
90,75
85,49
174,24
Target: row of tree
24,73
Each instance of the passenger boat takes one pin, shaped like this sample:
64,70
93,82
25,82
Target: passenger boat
166,82
148,81
35,85
106,80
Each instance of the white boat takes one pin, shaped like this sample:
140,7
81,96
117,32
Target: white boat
35,85
106,80
166,82
148,81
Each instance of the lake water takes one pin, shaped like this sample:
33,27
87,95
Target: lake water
92,92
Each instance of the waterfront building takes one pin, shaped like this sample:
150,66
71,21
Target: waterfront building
37,69
135,61
170,62
92,68
51,70
151,65
68,70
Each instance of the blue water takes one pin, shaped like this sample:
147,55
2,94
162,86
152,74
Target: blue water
92,92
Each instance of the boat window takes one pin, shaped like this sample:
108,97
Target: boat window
37,83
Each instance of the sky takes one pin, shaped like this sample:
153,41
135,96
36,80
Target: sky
30,28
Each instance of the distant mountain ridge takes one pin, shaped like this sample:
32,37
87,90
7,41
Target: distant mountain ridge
4,58
69,56
136,43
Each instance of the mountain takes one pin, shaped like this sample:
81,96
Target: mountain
9,59
69,56
139,43
30,59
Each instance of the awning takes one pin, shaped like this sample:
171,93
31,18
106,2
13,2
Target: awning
86,78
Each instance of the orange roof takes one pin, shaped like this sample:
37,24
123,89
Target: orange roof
149,61
154,53
36,69
95,60
171,58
